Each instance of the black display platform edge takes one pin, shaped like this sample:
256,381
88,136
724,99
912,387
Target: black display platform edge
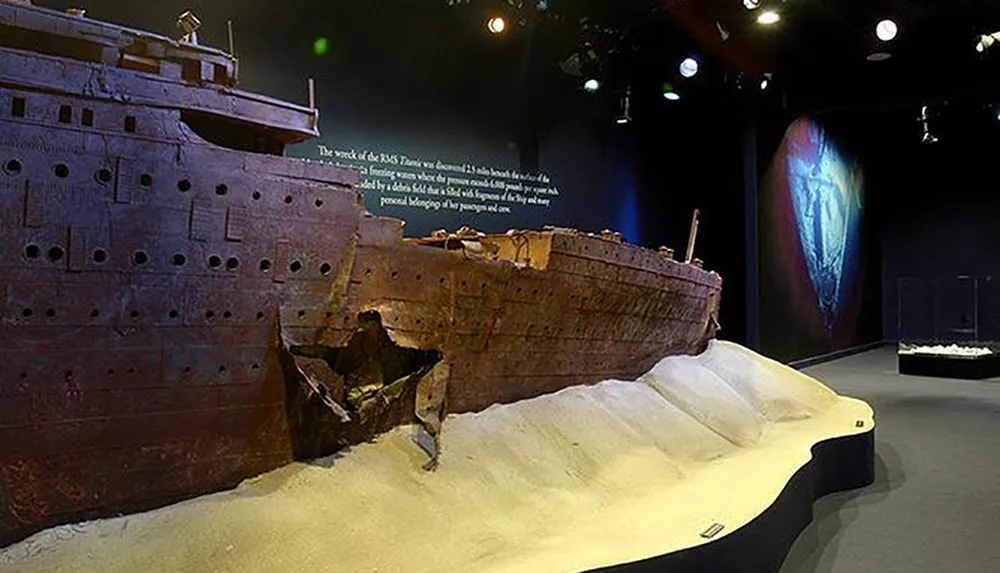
761,546
944,366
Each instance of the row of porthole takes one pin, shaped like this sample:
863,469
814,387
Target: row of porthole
95,313
209,314
184,185
57,253
132,370
14,167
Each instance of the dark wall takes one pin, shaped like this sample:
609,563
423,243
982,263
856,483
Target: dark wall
690,156
941,229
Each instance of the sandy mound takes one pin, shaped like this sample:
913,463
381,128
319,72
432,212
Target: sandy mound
585,477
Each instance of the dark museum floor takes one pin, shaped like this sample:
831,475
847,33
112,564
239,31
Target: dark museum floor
935,504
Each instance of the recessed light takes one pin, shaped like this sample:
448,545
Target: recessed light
886,30
768,18
689,67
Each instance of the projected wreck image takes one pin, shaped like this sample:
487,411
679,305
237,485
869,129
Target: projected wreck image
811,237
826,195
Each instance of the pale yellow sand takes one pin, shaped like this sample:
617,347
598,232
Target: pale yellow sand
587,477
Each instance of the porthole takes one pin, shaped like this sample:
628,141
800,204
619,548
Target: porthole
32,251
56,253
100,256
325,269
295,267
146,180
184,185
140,258
232,263
61,171
221,189
103,176
18,107
179,260
265,265
12,167
214,261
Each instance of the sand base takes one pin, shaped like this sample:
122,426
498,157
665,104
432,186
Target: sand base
585,478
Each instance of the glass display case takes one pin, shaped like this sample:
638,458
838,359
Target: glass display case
949,326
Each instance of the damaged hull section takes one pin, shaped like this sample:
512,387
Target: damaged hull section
486,319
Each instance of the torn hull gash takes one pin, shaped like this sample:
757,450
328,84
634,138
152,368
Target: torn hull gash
184,307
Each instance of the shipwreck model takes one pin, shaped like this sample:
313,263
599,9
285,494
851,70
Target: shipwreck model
185,308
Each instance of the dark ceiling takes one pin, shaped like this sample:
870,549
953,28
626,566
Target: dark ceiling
440,50
819,48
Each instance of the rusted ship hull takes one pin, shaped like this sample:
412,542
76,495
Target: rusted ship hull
167,299
549,310
139,329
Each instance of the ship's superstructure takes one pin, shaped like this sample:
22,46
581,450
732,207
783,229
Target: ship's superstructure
184,307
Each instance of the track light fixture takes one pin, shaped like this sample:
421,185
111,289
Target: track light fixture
723,32
984,42
928,138
625,117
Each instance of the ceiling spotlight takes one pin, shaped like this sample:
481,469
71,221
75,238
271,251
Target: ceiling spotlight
768,18
669,93
497,25
751,4
591,85
689,67
886,30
